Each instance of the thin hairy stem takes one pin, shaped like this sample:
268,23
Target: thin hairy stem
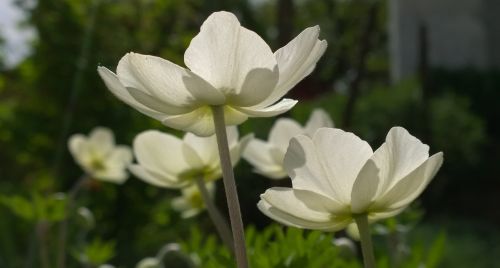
230,188
220,223
366,240
63,229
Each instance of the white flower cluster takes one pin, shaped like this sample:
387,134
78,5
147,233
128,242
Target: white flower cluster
335,175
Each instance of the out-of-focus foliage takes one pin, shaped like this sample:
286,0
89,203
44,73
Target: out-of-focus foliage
95,253
277,246
39,208
274,246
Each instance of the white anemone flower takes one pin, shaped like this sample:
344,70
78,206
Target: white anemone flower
149,262
267,157
336,176
99,156
227,65
165,160
191,203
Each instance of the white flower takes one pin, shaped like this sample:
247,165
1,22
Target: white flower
267,157
165,160
99,157
149,262
106,266
227,65
190,203
336,176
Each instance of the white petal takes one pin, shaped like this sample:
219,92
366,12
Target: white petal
205,147
258,154
101,139
283,131
119,90
232,136
319,202
282,205
342,155
275,173
199,122
160,153
258,84
180,204
364,188
283,106
121,156
290,220
286,200
296,60
398,156
235,150
192,157
190,213
372,217
113,175
75,145
410,187
166,81
303,166
224,53
233,117
319,118
155,103
154,179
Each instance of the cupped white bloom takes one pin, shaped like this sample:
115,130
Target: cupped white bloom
267,157
336,176
165,160
190,203
98,155
227,65
149,262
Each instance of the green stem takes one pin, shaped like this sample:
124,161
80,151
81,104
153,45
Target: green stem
366,240
220,223
63,229
76,86
42,229
230,188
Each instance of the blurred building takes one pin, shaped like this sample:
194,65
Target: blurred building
459,34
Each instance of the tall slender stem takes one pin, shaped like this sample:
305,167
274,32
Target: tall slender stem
230,188
63,229
42,229
220,223
366,240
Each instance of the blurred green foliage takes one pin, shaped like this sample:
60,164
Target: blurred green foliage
58,81
280,247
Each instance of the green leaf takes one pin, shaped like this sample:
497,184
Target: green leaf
20,206
436,251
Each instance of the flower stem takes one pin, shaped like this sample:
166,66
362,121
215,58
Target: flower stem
366,240
63,229
220,223
230,188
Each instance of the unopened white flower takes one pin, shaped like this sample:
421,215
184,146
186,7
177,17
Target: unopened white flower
165,160
106,266
190,203
227,65
149,262
336,176
99,156
346,246
87,217
267,157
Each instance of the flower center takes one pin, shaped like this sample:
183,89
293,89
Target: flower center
195,200
97,165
